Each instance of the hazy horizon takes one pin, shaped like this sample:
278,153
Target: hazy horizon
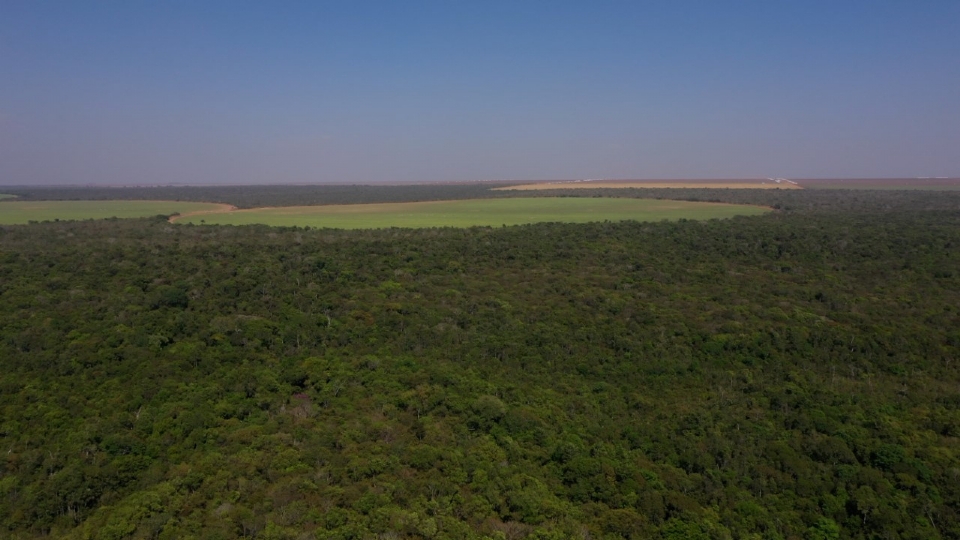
245,93
680,181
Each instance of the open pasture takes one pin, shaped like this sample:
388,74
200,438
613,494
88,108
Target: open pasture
20,212
621,184
6,196
474,212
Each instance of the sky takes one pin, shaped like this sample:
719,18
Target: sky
236,92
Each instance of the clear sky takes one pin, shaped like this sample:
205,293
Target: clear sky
137,92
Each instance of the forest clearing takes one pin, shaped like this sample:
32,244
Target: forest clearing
475,212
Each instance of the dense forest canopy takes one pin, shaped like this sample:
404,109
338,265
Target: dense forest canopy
792,375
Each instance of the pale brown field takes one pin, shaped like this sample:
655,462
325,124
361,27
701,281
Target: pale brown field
715,184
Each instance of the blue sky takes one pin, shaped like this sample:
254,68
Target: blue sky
132,92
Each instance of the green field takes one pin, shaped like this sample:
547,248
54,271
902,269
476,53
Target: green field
6,196
20,212
475,212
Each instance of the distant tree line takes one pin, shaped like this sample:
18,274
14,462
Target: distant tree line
279,195
266,195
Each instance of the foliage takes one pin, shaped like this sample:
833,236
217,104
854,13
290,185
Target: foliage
791,375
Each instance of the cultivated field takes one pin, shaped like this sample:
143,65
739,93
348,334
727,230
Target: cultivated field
475,212
700,184
19,212
929,184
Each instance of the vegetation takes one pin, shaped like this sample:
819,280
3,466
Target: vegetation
467,213
687,184
790,375
6,196
928,184
21,212
259,196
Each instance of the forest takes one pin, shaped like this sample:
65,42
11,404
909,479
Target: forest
787,376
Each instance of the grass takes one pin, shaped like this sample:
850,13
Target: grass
475,212
6,196
20,212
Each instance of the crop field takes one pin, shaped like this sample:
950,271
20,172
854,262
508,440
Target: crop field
926,184
699,184
474,212
20,212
